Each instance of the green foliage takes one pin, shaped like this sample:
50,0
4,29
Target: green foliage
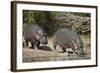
51,21
45,19
28,16
82,14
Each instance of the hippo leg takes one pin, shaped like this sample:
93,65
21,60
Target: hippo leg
74,51
26,43
54,45
32,45
64,50
37,44
23,45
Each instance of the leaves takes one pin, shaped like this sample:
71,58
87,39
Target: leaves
51,21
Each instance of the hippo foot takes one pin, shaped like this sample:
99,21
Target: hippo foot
70,52
32,47
63,51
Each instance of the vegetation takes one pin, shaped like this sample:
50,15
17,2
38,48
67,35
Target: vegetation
51,21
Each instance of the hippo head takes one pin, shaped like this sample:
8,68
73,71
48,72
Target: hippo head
41,36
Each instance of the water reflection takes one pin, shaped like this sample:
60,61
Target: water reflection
56,58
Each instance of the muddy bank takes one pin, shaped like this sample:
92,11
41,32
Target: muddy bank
35,55
47,53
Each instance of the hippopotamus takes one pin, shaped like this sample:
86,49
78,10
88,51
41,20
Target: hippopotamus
68,39
35,35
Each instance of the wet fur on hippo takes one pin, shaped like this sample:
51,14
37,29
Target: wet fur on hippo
68,39
35,35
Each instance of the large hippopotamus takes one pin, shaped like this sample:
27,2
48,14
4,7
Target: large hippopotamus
35,35
68,39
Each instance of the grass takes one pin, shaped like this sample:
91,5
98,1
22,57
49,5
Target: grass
87,43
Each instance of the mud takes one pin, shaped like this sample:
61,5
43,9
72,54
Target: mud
47,53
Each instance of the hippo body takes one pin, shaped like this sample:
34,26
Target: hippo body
35,35
68,39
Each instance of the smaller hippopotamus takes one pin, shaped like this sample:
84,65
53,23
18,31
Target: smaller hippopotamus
35,35
68,39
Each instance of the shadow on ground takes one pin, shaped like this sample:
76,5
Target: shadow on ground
45,48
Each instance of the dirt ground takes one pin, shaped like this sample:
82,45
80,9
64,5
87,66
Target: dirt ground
47,53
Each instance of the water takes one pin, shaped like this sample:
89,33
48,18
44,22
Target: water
44,59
